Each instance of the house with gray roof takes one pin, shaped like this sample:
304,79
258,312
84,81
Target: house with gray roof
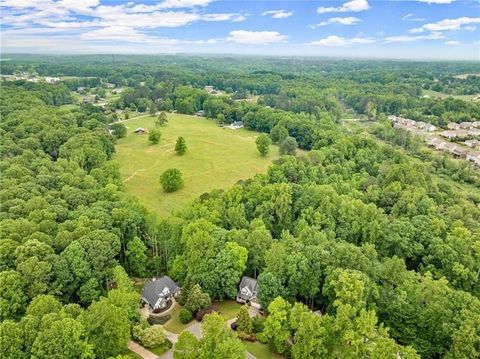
158,291
247,290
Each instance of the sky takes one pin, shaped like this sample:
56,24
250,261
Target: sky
413,29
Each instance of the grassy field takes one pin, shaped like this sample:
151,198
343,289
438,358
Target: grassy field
444,95
216,158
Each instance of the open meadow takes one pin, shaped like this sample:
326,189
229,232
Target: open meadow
216,158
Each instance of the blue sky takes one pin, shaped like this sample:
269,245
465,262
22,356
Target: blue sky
416,29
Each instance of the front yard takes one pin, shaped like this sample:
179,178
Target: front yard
227,308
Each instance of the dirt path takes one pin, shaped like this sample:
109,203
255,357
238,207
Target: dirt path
133,175
138,349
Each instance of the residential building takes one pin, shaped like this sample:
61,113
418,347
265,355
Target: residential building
247,290
158,291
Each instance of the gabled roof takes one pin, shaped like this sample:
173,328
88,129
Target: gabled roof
248,288
158,287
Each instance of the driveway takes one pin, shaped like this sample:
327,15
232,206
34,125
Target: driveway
144,353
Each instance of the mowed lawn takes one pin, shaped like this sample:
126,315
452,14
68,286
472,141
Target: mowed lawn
216,158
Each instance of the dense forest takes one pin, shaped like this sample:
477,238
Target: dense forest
362,249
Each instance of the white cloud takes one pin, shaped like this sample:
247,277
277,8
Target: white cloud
410,17
409,38
353,6
452,42
223,17
460,23
341,20
256,37
278,14
437,1
334,40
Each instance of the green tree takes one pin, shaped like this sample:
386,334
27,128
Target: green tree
288,146
150,336
107,328
278,133
244,321
12,294
263,144
154,136
218,341
310,337
187,346
171,180
137,257
161,120
63,339
12,340
197,299
119,130
271,288
277,326
180,146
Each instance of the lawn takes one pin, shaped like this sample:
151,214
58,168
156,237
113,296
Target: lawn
432,93
174,325
228,308
216,158
261,351
161,349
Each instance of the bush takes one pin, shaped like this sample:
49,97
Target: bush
159,320
185,316
203,312
149,336
171,180
258,324
154,136
246,336
262,338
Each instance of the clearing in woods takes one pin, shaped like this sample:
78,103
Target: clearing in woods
216,158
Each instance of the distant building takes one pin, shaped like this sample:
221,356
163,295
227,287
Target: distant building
140,131
209,89
425,126
473,143
81,88
466,125
117,91
52,80
453,126
158,291
88,99
236,125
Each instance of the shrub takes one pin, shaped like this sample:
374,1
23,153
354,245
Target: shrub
262,338
185,316
258,324
171,180
244,322
154,136
149,336
246,336
180,146
203,312
159,320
